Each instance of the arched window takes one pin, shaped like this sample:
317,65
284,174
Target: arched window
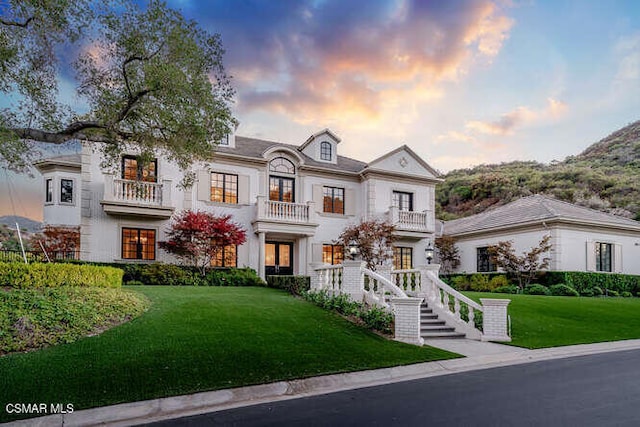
282,165
325,151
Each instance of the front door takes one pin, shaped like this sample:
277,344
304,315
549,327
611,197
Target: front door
278,259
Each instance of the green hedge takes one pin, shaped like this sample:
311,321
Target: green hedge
584,281
296,285
176,275
52,275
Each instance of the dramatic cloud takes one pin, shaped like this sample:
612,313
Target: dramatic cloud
329,60
519,117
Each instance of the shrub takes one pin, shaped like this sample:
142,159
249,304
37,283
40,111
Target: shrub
296,285
536,289
597,291
612,293
232,277
372,317
498,282
35,318
39,275
158,274
460,283
511,289
587,293
563,290
626,294
134,283
479,283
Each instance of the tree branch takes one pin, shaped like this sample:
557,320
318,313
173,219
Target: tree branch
24,24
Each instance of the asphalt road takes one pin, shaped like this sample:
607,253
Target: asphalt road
597,390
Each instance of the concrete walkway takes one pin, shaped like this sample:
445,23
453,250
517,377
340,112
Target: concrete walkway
480,355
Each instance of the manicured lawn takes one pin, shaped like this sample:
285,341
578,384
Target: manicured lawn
196,339
546,321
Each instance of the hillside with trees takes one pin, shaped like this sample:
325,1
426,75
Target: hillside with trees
605,176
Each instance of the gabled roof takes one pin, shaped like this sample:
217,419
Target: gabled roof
535,210
317,134
411,153
255,148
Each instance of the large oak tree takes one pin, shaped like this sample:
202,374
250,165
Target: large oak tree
146,78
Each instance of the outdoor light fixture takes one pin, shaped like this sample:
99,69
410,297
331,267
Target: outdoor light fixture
353,249
428,252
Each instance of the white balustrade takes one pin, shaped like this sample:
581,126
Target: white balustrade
329,278
407,280
283,211
140,192
378,290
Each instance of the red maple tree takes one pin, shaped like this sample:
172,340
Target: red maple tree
57,241
198,237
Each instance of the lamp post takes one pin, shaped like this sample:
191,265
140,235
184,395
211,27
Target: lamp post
428,253
353,249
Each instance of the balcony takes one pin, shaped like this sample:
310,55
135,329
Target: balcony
284,217
412,223
137,198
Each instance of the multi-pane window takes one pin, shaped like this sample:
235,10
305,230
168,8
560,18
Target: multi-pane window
332,254
281,189
485,260
282,165
66,191
325,151
227,257
224,140
403,201
604,257
48,195
224,188
402,258
333,200
135,170
138,243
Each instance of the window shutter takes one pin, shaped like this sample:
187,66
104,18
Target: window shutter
617,258
317,199
204,185
243,189
591,256
349,202
316,252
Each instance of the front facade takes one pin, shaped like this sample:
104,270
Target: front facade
294,201
582,239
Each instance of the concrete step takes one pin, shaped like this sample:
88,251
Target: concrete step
434,322
426,311
452,335
436,328
429,316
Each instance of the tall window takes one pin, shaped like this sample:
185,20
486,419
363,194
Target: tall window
604,257
227,257
333,200
325,151
66,191
282,188
332,254
402,258
48,187
224,188
403,201
485,261
138,243
134,170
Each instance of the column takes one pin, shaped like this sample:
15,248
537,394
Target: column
353,279
407,320
495,320
261,243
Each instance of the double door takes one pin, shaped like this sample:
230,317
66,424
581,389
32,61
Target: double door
278,258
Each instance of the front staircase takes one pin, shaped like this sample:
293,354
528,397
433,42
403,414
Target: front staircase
432,327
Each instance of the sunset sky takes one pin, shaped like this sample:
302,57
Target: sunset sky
461,82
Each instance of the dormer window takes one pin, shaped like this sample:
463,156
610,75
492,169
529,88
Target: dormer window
224,141
325,151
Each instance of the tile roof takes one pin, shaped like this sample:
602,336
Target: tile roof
252,147
535,208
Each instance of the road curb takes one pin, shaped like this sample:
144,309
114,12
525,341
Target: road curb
142,412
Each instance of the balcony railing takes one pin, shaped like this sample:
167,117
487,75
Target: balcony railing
412,220
129,197
271,210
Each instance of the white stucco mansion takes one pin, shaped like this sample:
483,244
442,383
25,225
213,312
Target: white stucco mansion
293,200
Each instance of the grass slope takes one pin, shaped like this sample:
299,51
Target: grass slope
546,321
197,339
